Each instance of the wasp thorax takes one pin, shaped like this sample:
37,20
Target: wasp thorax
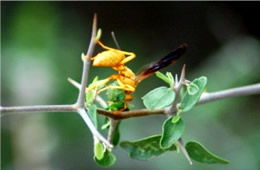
108,59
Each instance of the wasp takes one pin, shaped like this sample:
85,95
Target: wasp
126,79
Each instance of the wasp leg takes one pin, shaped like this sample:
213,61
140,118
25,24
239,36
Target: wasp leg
121,110
85,57
103,46
126,87
109,87
130,57
101,82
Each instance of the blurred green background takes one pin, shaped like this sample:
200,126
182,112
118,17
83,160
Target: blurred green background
41,47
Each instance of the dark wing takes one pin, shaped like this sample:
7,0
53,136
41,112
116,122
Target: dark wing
164,62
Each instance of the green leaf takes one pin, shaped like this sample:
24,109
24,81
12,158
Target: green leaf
99,150
199,153
158,98
175,119
145,149
108,159
90,96
188,101
115,95
192,89
116,106
92,113
163,77
171,132
169,75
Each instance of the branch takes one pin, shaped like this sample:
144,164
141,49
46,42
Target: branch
40,108
79,105
86,64
205,98
234,92
131,114
112,129
92,128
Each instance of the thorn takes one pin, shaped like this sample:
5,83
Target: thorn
182,78
74,83
184,151
176,80
94,26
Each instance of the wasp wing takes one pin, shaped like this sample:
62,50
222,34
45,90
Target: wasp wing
164,62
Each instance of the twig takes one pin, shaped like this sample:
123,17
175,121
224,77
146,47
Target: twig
86,64
205,98
92,128
98,99
40,108
234,92
112,129
131,114
101,101
74,83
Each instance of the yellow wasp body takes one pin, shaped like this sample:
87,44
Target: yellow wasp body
125,77
116,59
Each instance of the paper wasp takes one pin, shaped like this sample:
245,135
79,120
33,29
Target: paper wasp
126,79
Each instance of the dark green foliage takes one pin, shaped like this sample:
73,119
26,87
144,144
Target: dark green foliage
199,153
171,132
145,149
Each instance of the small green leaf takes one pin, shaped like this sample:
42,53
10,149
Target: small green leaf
188,101
90,97
99,150
163,77
116,106
95,79
171,132
159,98
92,112
199,153
115,95
175,119
99,33
145,149
108,159
192,89
169,75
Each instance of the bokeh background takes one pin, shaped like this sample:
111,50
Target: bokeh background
41,47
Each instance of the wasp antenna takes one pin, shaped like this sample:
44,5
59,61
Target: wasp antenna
115,40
